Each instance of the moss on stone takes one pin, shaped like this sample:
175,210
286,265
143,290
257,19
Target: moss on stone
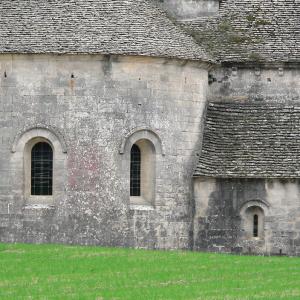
255,57
225,26
251,18
262,22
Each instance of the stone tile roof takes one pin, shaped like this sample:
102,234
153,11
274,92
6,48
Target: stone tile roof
251,31
251,140
132,27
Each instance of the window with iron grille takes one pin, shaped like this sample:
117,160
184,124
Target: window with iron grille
135,171
41,169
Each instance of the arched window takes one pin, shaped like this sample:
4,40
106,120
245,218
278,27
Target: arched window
255,226
142,172
253,222
41,169
40,154
135,171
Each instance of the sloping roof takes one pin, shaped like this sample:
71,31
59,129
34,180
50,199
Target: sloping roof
132,27
251,31
251,140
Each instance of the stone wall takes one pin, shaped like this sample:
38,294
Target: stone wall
90,106
242,83
221,206
190,9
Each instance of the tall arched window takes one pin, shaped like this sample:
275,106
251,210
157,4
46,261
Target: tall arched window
40,154
135,171
41,169
142,172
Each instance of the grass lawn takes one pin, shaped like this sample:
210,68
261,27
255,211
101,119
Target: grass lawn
70,272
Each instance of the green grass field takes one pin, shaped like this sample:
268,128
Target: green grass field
65,272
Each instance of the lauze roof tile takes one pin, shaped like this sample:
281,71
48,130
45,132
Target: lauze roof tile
250,140
126,27
251,30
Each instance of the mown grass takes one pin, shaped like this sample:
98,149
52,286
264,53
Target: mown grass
70,272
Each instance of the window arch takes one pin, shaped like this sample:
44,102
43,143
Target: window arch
41,169
142,172
39,157
151,155
254,222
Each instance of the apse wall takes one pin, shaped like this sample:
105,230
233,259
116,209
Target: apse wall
91,109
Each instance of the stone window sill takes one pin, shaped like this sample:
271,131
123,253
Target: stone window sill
39,200
141,207
256,239
140,203
39,206
139,200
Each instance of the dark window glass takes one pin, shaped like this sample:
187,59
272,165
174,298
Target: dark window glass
135,171
255,225
41,169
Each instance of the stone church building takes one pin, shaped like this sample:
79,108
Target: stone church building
160,124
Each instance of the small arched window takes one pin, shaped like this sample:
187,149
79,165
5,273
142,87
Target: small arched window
41,169
255,226
135,171
253,222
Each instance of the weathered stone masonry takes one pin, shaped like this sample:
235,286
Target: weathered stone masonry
91,105
249,162
209,90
